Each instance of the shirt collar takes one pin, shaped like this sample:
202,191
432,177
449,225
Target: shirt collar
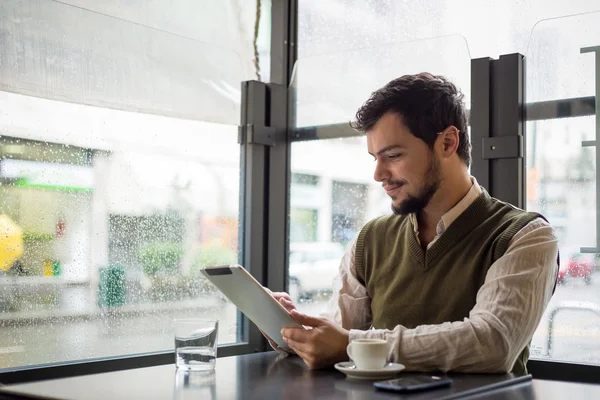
449,217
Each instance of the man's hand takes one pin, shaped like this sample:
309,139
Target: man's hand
284,299
322,346
275,346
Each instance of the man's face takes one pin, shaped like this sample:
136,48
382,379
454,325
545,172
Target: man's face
408,170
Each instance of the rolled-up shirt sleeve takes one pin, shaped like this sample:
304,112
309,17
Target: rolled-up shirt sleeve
508,308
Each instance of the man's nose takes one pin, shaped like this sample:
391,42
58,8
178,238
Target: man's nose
381,173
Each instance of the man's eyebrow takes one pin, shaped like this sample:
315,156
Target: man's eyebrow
388,148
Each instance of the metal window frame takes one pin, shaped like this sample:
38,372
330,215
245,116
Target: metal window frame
595,50
266,151
284,53
264,174
497,127
551,109
563,371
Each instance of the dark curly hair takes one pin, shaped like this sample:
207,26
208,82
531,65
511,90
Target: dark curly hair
427,103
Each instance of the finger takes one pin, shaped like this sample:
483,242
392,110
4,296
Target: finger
283,300
295,334
305,353
288,305
306,320
300,348
275,345
280,295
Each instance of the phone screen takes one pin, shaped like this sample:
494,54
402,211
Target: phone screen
414,383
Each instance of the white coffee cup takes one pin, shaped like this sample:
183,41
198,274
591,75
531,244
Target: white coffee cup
368,353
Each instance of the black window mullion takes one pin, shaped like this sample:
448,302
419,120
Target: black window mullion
283,56
497,133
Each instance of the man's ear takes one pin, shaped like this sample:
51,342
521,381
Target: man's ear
450,140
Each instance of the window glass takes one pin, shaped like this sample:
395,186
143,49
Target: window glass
329,88
344,198
555,48
561,184
105,247
119,173
491,27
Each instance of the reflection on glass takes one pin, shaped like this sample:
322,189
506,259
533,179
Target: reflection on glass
330,200
195,385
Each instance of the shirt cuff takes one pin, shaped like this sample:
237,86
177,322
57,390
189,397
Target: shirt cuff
354,334
370,334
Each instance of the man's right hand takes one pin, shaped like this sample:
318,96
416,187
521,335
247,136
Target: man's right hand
284,299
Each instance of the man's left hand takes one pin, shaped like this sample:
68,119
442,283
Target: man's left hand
319,347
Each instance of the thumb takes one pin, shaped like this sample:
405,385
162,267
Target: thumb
305,320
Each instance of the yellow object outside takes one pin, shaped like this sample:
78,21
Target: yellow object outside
48,267
51,268
11,242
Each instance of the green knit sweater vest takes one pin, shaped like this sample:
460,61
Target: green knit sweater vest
409,286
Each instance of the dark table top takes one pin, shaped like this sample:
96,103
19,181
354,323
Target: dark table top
269,376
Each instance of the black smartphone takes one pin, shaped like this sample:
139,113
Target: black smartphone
414,383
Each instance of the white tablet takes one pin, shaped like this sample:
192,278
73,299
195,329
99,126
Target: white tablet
251,298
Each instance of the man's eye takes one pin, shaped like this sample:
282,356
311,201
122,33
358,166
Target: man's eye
394,156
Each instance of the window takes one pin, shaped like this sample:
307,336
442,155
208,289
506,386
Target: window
561,182
340,209
119,172
304,208
348,201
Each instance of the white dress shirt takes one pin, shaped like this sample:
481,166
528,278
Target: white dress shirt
508,308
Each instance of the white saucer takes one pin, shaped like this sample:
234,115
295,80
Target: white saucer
352,372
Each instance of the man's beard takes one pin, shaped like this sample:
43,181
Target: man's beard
414,204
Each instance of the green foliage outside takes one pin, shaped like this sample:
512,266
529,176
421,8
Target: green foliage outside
160,258
212,254
40,237
162,261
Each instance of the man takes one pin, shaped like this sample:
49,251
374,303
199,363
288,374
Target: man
454,279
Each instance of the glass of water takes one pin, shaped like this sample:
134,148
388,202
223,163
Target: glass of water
196,343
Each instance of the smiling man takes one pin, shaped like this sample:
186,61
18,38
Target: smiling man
454,279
